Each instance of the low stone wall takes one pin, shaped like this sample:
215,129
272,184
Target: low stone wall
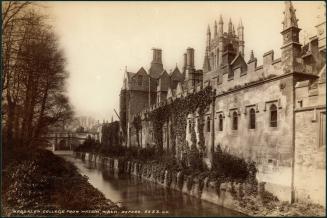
227,194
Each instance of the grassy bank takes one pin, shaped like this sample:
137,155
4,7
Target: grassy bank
40,183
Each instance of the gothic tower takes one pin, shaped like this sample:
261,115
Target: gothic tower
240,33
291,49
220,41
206,63
216,31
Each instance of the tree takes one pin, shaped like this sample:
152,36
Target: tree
34,75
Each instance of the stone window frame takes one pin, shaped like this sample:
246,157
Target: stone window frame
221,122
235,121
208,124
273,123
252,121
278,105
230,114
247,108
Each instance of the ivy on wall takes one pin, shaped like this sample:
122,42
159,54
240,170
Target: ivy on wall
137,123
177,112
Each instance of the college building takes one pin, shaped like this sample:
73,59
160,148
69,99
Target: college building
273,114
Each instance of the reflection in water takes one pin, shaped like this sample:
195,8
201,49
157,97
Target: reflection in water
137,194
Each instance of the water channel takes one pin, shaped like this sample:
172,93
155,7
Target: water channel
136,194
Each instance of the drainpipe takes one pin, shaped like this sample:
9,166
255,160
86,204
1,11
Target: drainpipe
293,141
212,124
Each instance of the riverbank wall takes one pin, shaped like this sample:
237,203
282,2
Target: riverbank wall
231,195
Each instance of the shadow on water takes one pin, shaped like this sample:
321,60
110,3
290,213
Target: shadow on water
136,194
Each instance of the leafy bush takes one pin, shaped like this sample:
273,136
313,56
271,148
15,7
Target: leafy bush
230,166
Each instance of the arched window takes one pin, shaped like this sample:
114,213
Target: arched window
189,125
273,115
208,124
235,120
221,124
252,119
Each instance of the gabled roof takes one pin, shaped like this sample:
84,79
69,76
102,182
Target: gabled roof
238,61
164,81
141,71
176,75
163,74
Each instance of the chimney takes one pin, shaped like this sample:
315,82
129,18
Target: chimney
185,62
156,56
190,58
156,63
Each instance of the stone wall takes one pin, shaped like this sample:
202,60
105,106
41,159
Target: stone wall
310,143
269,147
310,156
226,194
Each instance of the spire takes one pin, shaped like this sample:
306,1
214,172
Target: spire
230,27
221,20
208,30
208,38
252,58
289,16
221,26
240,31
216,30
234,31
240,24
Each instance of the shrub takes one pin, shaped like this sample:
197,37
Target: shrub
230,166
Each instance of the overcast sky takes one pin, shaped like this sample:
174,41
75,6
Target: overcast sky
101,38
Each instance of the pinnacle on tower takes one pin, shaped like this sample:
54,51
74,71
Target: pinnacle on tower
289,16
252,58
240,24
216,31
221,20
221,26
208,38
230,27
291,49
233,31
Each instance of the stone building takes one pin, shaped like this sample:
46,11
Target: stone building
273,114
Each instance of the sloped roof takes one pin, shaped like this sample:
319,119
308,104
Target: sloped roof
130,75
164,81
141,71
176,75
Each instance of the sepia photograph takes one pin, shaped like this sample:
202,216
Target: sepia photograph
163,108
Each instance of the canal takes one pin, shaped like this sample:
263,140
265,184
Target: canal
135,194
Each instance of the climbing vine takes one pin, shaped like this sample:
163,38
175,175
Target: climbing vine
137,123
177,111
